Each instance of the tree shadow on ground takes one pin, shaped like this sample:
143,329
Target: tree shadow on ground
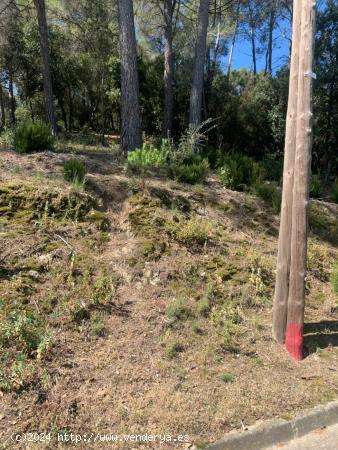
320,335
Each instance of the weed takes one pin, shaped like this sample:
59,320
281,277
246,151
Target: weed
270,194
178,310
334,278
174,349
75,171
228,377
147,157
192,232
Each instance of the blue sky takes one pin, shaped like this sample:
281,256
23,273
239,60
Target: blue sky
242,53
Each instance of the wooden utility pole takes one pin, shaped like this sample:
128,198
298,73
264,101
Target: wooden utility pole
296,301
289,301
284,242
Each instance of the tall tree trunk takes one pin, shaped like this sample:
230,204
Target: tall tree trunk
284,241
47,79
12,102
231,54
253,48
2,109
296,300
268,68
198,71
130,109
168,11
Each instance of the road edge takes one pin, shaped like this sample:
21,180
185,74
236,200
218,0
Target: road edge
271,432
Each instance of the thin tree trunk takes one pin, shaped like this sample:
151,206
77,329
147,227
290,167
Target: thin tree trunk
231,54
168,11
2,109
12,101
47,79
130,109
253,48
284,241
198,71
296,300
270,41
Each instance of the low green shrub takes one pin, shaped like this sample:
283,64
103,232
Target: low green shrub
228,377
178,310
193,232
269,193
194,169
147,157
174,349
30,137
273,168
316,186
74,171
238,171
334,277
335,192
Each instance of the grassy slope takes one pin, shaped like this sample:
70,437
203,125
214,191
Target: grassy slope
146,306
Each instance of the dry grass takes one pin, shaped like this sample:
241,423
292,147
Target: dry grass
147,337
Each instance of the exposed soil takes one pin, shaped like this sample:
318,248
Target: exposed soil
203,369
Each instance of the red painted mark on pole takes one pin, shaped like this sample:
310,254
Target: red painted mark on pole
294,341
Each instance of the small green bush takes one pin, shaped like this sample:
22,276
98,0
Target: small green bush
174,349
316,186
334,277
228,377
335,192
238,171
30,137
147,157
194,169
193,232
74,171
270,194
178,310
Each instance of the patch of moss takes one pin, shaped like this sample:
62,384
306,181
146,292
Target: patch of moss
25,201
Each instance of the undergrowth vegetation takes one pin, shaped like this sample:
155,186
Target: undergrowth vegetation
33,136
74,171
60,235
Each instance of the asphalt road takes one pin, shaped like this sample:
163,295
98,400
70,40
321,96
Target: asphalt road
321,439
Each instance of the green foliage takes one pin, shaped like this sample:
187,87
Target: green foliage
174,349
30,137
24,329
228,377
335,192
191,232
316,186
74,171
193,170
186,163
238,171
334,277
269,193
178,310
147,157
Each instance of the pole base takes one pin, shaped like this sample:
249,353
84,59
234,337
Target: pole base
294,341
